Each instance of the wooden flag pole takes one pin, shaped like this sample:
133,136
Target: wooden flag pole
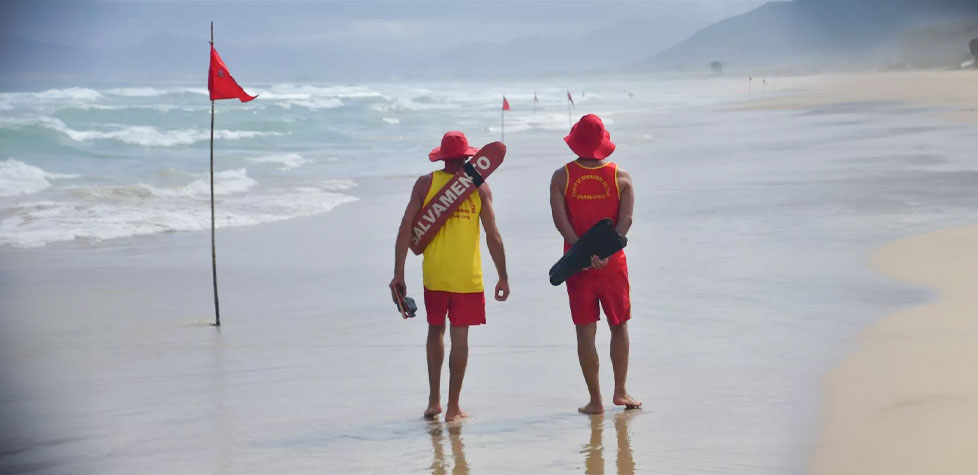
217,309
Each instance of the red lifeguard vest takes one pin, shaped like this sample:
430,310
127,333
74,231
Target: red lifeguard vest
591,195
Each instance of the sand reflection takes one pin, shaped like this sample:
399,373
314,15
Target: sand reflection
594,450
440,464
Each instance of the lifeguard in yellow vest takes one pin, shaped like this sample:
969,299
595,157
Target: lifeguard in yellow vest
452,270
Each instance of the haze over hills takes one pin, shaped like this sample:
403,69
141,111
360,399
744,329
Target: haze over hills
608,48
51,41
165,56
831,34
100,42
168,57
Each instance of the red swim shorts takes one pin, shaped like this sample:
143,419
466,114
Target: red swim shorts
609,287
462,309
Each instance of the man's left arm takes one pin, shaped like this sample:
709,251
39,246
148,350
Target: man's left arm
626,202
494,240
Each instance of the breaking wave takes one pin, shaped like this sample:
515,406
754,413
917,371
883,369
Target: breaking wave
18,178
154,92
286,160
140,209
143,135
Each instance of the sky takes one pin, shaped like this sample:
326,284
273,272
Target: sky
101,23
354,32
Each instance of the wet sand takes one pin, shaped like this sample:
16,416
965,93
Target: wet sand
115,368
906,400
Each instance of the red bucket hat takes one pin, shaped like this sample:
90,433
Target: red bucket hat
589,139
453,145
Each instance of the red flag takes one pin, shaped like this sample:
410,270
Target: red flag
220,83
505,104
535,100
569,98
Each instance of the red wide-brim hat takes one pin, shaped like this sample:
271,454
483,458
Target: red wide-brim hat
453,145
589,139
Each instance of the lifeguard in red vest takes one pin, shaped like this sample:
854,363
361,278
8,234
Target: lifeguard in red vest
582,193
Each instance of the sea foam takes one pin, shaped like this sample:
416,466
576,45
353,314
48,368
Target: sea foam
109,212
71,94
286,160
18,178
137,92
143,135
154,92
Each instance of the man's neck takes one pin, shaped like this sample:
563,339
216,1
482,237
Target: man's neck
589,162
454,165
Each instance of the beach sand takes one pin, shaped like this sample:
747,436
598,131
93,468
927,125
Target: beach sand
906,400
955,91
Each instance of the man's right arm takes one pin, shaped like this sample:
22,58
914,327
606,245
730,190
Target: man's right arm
403,241
558,206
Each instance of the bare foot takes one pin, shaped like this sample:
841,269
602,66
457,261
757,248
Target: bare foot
432,410
455,414
591,408
628,401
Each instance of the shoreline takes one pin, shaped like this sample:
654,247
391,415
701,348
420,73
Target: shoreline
905,400
936,88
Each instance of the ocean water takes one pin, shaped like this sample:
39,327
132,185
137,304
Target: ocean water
89,164
747,263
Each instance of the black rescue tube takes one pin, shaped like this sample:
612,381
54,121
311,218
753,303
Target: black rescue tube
601,240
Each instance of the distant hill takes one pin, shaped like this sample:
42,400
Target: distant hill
38,60
600,50
812,34
938,45
167,57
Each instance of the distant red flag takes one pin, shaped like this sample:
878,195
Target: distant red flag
505,104
535,100
220,83
569,98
